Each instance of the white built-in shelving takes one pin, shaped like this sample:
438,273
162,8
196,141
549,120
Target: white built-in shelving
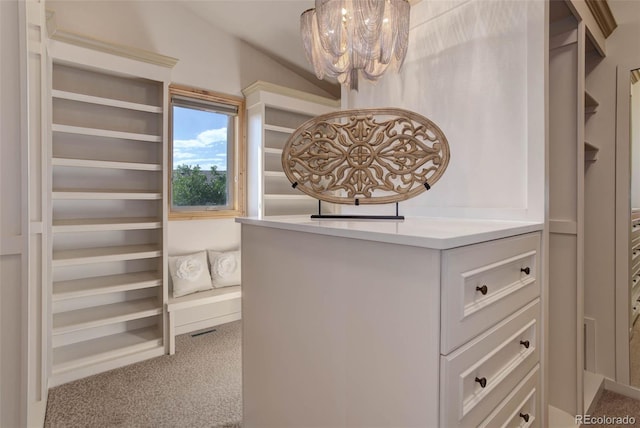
91,163
590,152
104,224
80,319
86,287
590,107
77,357
274,113
105,254
108,221
590,103
89,194
98,132
634,272
73,96
573,153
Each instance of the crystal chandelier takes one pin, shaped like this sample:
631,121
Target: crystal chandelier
342,37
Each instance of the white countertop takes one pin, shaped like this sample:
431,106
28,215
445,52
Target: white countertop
428,232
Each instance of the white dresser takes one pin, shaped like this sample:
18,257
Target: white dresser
419,323
490,332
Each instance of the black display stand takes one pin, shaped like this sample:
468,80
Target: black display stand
354,216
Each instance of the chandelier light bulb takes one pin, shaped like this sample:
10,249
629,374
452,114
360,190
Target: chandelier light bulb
347,38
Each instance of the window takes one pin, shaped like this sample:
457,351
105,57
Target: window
206,154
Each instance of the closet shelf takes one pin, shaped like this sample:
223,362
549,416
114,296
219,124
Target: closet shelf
105,254
104,194
70,357
74,96
277,128
97,316
96,132
272,151
92,163
104,224
590,152
590,103
635,295
93,286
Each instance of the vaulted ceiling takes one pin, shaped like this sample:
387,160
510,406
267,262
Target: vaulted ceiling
272,26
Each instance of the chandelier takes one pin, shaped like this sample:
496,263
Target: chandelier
344,37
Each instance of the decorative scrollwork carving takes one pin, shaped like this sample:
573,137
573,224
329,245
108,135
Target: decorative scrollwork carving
367,156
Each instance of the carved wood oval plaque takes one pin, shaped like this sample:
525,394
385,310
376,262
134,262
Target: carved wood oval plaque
366,156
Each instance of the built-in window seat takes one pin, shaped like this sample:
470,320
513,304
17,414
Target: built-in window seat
202,310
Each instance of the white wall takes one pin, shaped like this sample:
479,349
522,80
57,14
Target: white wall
622,46
208,58
475,68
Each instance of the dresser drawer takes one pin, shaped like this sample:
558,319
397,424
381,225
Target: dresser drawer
484,283
635,231
479,375
521,407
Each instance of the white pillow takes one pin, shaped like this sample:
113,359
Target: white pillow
189,273
225,268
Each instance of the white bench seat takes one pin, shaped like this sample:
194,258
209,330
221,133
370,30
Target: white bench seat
194,300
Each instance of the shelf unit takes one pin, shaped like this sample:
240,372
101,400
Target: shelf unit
590,152
590,108
573,154
274,112
108,214
634,274
590,104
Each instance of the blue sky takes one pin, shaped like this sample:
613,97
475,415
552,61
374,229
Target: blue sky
199,138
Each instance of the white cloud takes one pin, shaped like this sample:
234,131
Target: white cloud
179,154
207,149
206,138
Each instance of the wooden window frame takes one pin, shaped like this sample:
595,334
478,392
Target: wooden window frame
239,155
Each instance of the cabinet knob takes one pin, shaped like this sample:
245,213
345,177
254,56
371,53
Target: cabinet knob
525,416
482,289
526,270
482,381
525,343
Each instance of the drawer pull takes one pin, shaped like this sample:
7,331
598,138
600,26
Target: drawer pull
482,381
525,270
525,416
525,343
482,289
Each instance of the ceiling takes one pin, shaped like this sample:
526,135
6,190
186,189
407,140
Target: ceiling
271,26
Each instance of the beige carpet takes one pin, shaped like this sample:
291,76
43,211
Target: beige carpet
615,405
199,386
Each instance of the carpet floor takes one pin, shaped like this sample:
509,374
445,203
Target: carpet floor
199,386
615,405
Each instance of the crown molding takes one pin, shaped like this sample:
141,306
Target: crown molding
603,16
89,42
295,93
